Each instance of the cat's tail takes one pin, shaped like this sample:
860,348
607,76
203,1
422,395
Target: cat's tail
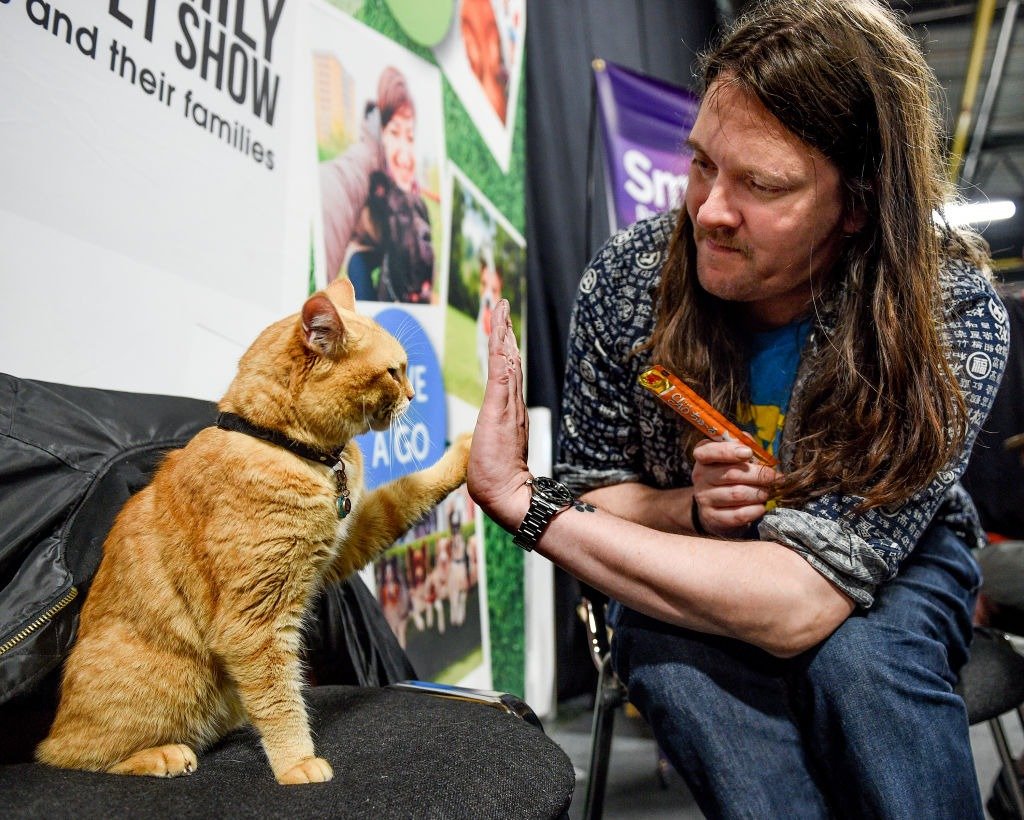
72,751
169,760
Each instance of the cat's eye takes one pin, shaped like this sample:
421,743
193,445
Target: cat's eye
395,374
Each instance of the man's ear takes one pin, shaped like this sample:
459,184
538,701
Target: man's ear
323,331
342,293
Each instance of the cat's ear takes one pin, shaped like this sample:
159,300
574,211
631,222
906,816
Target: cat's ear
342,293
323,332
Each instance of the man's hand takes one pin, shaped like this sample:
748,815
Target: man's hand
729,489
497,471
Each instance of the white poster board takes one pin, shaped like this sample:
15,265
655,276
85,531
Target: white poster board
152,217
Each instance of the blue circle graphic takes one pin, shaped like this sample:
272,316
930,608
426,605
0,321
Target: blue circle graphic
417,439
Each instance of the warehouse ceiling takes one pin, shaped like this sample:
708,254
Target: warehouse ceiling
996,131
977,52
984,87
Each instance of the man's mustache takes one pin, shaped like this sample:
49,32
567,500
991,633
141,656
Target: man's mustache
723,238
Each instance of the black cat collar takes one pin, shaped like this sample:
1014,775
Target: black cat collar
237,424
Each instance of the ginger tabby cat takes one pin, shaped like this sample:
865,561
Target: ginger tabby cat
192,625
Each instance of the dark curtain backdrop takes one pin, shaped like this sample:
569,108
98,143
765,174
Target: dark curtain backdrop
656,37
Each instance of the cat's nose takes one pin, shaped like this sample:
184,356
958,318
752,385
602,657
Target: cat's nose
410,394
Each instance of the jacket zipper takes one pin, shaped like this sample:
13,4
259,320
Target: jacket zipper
66,599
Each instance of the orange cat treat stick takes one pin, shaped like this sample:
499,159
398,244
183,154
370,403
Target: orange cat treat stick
671,390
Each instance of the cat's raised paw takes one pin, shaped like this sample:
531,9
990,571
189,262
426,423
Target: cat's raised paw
310,770
459,451
159,761
450,470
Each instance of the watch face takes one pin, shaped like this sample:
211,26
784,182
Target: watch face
553,491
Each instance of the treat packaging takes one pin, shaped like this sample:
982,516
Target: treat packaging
681,398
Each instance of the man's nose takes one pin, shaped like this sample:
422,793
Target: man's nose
718,209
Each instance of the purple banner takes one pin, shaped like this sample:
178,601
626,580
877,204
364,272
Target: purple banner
644,125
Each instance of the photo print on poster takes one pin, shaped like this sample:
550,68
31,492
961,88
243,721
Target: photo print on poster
381,154
482,57
429,583
431,588
487,261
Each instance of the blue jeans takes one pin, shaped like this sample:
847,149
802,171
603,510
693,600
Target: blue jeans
864,725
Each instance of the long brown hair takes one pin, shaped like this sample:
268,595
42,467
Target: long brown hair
882,411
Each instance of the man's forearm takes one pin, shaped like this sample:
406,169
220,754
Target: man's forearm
664,510
757,591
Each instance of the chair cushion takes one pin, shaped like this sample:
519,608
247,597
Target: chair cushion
992,680
394,754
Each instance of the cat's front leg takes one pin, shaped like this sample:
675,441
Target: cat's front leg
383,515
449,471
309,770
278,713
264,665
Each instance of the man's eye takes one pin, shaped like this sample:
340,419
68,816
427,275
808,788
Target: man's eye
705,168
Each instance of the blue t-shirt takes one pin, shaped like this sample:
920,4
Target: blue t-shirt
775,355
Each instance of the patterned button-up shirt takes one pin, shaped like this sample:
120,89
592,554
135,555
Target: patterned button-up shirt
614,431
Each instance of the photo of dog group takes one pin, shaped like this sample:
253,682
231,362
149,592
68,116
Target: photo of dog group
429,589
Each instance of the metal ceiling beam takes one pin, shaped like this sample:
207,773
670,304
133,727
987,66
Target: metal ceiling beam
976,58
995,77
1005,140
943,13
1013,169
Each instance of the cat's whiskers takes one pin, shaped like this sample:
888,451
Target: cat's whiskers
406,326
403,423
367,418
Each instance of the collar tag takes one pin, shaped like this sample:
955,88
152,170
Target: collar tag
344,502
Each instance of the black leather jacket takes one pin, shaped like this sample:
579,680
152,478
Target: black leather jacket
69,459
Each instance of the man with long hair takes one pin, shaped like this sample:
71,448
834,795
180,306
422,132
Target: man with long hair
792,635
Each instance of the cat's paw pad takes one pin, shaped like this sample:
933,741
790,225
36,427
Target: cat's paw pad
160,761
310,770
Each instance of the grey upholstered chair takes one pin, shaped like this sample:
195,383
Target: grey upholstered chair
992,684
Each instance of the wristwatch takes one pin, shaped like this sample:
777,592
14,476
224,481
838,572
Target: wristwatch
550,497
